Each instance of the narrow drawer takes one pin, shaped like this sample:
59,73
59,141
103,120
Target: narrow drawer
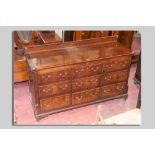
87,69
117,63
114,90
54,103
55,89
86,83
114,77
54,75
85,96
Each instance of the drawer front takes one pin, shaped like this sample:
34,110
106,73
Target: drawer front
93,94
113,77
54,75
85,96
87,69
113,90
117,63
55,89
79,97
86,83
55,103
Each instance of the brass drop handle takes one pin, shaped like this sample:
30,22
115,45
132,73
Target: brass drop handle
95,69
107,90
78,97
63,87
78,84
94,93
46,90
63,74
119,87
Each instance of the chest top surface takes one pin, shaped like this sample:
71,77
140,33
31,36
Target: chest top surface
62,54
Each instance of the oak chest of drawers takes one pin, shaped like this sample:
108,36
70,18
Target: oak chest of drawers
74,74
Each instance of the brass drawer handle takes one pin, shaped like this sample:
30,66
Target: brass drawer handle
63,87
45,77
95,69
119,87
94,93
78,71
79,97
78,84
107,77
107,91
93,80
63,74
46,90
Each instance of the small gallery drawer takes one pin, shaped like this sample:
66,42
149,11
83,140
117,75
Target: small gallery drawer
85,96
118,63
87,69
55,89
112,77
55,103
54,75
114,90
86,83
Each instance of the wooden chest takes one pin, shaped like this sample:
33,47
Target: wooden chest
74,74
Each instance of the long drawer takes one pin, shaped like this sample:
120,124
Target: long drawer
114,77
113,90
85,96
53,103
58,88
54,75
117,63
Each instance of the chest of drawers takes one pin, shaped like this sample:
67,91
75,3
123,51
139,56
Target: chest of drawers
68,75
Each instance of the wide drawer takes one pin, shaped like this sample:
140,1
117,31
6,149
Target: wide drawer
55,103
117,63
114,77
86,83
54,75
85,96
55,89
114,90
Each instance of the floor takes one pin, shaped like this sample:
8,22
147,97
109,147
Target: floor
87,115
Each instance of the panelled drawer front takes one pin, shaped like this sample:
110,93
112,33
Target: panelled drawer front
86,83
54,75
113,90
113,77
87,69
55,89
85,96
117,63
55,103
